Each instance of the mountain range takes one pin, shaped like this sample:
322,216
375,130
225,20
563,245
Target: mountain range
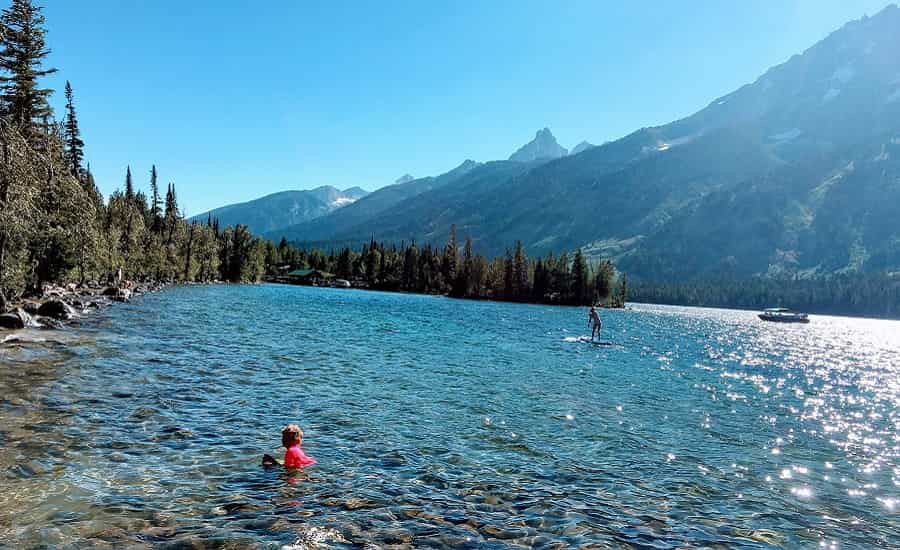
283,209
797,172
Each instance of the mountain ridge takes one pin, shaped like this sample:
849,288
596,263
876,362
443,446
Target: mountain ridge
283,208
641,196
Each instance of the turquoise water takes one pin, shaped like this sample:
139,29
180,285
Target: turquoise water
446,423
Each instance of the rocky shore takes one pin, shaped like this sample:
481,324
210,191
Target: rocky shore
58,305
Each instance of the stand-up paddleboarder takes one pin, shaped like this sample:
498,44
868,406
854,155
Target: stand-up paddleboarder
595,322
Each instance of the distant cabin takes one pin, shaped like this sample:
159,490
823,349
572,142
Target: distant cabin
309,276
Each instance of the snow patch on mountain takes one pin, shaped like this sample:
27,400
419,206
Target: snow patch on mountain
342,201
666,145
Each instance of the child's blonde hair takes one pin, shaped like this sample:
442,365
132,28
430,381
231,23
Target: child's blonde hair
292,432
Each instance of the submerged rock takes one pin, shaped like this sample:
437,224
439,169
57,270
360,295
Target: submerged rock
123,295
57,309
118,294
16,319
48,323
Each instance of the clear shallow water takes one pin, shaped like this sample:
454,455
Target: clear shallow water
440,423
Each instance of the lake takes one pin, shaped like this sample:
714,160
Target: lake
447,423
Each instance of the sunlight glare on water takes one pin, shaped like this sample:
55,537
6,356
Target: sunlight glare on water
446,423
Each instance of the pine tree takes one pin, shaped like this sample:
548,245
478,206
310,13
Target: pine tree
155,201
580,292
21,59
128,234
603,280
129,185
72,136
171,213
541,282
410,267
450,260
189,252
344,268
520,288
463,283
622,293
509,286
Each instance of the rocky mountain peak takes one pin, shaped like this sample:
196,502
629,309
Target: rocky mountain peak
543,146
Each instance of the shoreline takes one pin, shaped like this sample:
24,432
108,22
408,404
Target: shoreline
441,295
60,306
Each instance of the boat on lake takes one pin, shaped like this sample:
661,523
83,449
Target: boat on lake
783,315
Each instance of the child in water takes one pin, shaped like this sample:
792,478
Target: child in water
294,457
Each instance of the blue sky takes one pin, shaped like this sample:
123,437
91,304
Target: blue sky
233,100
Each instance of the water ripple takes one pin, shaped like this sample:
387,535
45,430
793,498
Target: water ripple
444,423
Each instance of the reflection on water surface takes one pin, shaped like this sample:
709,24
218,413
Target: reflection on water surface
441,423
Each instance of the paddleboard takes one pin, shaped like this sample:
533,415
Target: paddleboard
589,340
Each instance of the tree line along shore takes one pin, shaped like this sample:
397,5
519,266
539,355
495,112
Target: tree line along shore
62,243
457,271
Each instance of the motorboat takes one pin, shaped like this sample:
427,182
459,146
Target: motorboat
783,315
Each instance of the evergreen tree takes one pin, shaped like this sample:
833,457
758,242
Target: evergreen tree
18,189
344,268
128,214
450,257
21,59
622,293
520,287
410,268
581,294
129,185
509,285
171,213
189,254
72,135
603,280
541,284
463,283
155,201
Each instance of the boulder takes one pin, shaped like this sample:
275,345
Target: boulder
48,323
57,309
53,291
31,308
110,291
123,295
15,319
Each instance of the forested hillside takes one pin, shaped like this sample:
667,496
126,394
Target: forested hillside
54,224
793,173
